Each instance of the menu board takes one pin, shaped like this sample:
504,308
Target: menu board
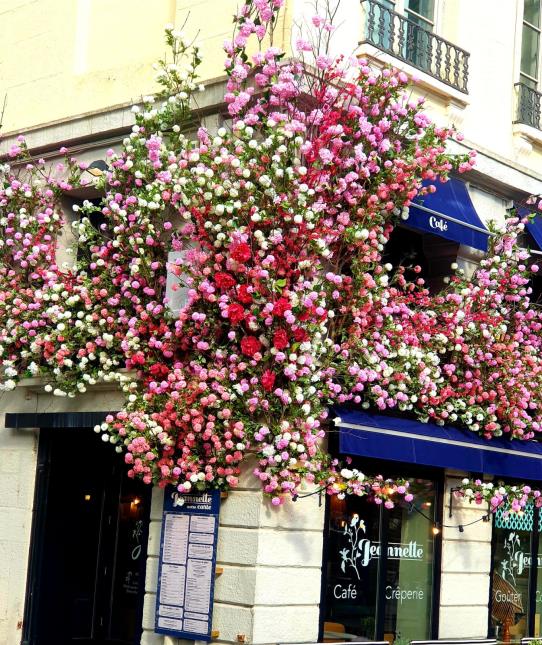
186,573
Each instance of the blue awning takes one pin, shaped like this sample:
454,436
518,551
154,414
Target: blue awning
449,212
534,224
381,437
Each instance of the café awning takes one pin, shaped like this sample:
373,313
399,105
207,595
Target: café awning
449,213
533,224
367,434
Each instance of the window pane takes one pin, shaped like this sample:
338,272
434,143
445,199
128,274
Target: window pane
530,83
352,568
511,570
381,25
353,559
425,8
530,44
531,12
419,43
410,568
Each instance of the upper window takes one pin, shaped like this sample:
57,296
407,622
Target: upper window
406,30
530,43
529,97
421,12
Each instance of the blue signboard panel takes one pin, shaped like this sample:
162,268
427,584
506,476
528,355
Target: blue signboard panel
186,572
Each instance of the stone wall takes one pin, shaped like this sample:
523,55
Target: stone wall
18,451
269,591
466,563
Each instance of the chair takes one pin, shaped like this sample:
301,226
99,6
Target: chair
333,632
458,641
349,642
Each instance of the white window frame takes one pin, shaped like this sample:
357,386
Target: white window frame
522,75
401,6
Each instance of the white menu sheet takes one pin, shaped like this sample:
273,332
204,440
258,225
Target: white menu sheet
187,572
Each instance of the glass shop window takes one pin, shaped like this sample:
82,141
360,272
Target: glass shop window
381,568
516,586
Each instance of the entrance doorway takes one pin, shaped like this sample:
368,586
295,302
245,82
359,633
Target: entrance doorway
87,567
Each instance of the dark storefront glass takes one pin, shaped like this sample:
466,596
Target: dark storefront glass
380,568
515,610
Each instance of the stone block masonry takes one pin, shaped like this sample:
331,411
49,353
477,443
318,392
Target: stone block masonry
269,591
466,563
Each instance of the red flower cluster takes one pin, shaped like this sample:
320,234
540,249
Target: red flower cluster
280,339
241,252
224,280
250,345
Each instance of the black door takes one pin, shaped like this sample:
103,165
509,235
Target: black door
88,553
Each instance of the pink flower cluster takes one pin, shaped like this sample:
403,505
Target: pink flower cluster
274,229
511,498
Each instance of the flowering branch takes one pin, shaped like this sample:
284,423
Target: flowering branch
511,498
277,226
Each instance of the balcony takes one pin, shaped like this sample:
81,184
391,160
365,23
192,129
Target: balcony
529,106
408,41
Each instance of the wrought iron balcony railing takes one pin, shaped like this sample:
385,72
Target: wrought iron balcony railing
404,39
529,106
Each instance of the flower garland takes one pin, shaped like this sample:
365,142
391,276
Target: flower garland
275,229
511,498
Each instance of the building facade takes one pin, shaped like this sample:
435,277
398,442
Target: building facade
79,560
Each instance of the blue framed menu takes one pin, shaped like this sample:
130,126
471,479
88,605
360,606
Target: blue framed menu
186,570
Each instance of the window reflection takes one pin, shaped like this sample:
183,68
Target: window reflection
380,568
514,542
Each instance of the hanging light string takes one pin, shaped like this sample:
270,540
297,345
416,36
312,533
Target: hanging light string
318,491
437,526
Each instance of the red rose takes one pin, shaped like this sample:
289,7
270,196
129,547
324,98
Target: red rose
236,313
243,295
282,305
241,252
158,369
280,339
224,280
300,335
250,345
268,380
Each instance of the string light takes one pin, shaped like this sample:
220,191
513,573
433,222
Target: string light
436,526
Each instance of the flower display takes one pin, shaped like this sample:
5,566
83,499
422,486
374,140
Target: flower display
511,498
278,223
